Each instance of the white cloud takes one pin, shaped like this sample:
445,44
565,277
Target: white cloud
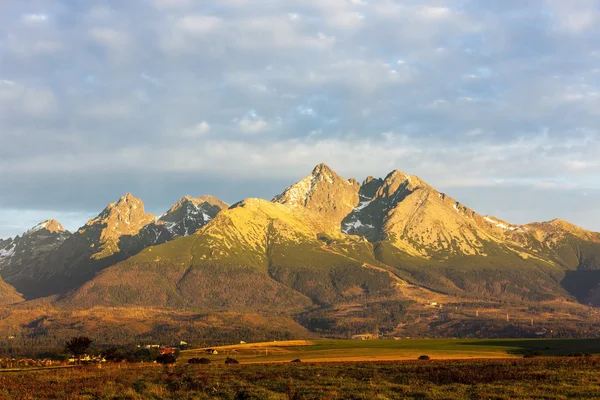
34,18
307,111
197,130
189,34
17,99
198,24
172,3
112,38
346,20
575,16
435,13
253,125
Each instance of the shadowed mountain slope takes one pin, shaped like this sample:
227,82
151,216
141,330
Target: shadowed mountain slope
257,255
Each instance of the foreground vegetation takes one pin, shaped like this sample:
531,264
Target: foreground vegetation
498,379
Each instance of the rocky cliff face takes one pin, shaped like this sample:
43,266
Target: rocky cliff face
32,248
79,256
184,218
126,217
323,192
48,260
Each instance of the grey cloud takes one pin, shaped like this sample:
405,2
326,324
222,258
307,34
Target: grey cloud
101,98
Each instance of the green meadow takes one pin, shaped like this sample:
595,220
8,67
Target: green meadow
389,350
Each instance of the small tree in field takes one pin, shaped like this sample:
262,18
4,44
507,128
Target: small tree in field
78,345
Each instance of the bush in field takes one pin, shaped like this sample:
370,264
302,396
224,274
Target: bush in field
533,354
196,360
230,360
297,360
166,359
424,358
78,345
114,354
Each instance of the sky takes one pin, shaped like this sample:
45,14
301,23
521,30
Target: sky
495,102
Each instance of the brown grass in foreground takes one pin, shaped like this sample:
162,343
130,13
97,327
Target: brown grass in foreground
560,378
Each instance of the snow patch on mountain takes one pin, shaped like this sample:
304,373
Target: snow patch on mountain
348,226
500,224
37,228
8,252
299,193
362,205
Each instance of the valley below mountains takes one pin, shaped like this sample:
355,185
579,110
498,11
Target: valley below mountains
329,256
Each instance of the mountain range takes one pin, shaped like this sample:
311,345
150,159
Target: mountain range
328,255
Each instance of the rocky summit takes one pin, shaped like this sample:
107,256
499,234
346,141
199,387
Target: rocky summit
328,255
18,255
323,192
183,219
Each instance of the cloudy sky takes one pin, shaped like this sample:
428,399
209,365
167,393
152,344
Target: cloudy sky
496,102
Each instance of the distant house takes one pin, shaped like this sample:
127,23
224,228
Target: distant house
87,358
212,351
167,350
367,336
242,342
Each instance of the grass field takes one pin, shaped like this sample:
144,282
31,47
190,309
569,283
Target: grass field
390,350
538,378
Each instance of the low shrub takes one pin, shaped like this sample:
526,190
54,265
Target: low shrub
424,358
166,359
230,360
297,360
196,360
533,354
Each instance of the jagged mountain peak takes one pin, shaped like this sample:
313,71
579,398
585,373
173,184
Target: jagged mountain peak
562,222
53,225
184,218
396,182
198,201
322,169
186,200
418,219
324,192
395,174
370,179
128,200
126,216
127,209
50,225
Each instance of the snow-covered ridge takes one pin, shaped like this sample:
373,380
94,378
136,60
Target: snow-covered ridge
500,224
37,228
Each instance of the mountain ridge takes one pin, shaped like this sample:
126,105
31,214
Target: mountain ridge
324,253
